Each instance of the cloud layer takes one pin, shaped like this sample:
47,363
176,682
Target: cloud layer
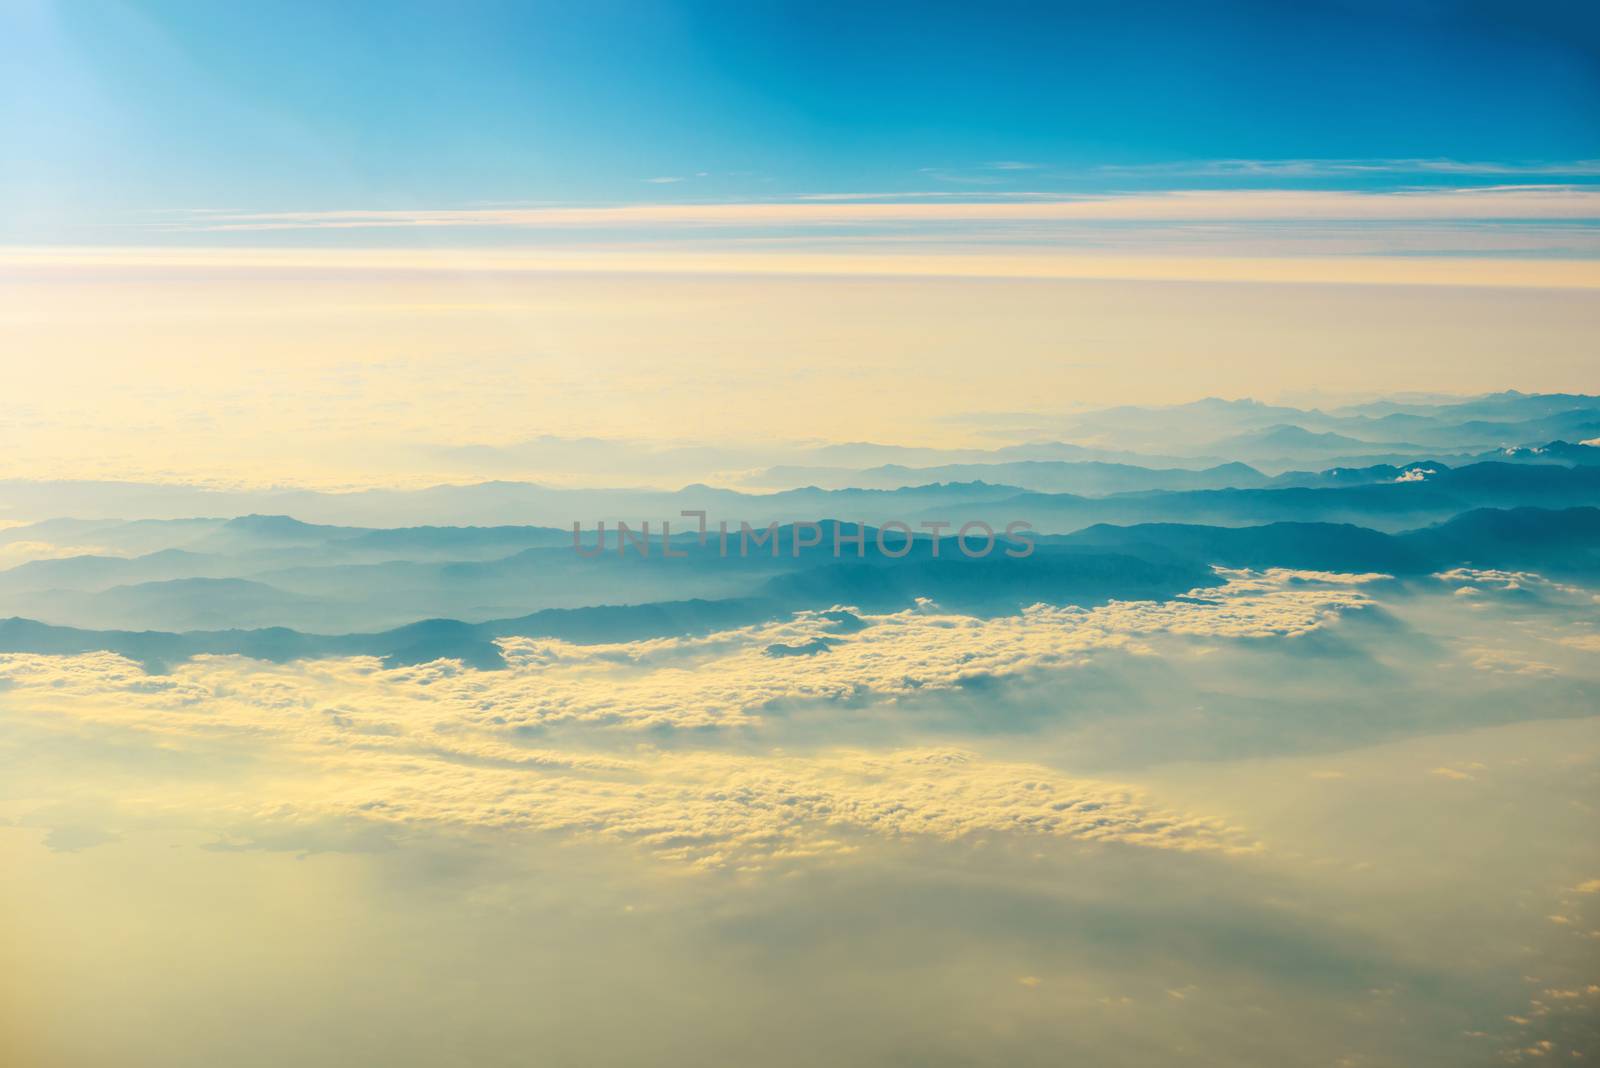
442,744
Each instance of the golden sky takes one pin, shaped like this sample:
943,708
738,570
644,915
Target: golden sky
333,366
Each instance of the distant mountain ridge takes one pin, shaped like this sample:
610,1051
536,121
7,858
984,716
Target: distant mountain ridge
1091,566
527,506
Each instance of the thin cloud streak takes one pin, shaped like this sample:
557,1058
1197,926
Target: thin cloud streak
1565,202
1306,168
1325,270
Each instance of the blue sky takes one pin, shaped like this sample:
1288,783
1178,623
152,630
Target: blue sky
119,107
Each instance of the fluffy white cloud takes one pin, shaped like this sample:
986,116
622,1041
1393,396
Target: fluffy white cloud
723,679
441,743
1471,580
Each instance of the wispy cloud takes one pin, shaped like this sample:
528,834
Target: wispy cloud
1320,168
969,263
931,194
1512,202
942,174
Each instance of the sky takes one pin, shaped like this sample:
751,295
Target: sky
118,107
119,110
315,235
